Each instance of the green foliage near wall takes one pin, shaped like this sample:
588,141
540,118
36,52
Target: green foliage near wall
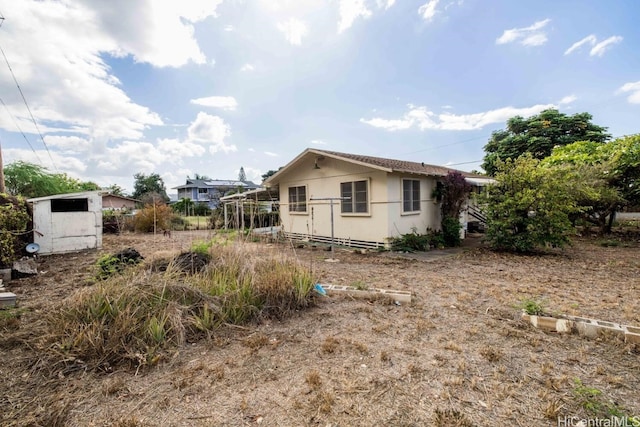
14,220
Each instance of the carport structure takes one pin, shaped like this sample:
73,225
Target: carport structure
253,202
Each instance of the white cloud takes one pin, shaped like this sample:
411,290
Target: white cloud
247,67
386,4
133,155
428,10
597,49
603,46
634,91
154,31
350,10
68,144
211,130
590,39
68,83
62,164
271,154
223,102
294,30
318,142
229,28
389,124
535,40
567,99
176,150
424,119
532,35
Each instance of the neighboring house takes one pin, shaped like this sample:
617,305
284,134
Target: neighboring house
373,199
209,191
67,222
116,203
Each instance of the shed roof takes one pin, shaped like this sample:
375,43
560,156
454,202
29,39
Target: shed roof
64,196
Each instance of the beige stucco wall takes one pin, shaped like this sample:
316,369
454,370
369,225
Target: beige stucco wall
403,223
384,218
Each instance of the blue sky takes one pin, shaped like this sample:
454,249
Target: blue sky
194,86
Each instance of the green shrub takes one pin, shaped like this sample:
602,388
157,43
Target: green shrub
451,231
14,219
532,307
414,242
528,207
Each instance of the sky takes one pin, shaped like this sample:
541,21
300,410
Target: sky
102,90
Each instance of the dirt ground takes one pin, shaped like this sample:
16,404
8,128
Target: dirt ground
458,354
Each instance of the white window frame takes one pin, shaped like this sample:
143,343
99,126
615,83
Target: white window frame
412,200
295,204
352,202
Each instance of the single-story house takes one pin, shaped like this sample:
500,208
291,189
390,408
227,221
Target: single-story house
67,222
209,191
368,199
114,202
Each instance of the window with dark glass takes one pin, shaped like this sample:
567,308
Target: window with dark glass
69,205
410,195
354,196
298,199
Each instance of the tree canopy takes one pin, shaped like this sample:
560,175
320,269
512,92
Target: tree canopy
241,175
269,173
603,177
30,180
149,185
539,135
115,189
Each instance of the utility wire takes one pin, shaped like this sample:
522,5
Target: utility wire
28,109
23,134
448,145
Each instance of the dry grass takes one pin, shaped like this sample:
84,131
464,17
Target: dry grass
456,355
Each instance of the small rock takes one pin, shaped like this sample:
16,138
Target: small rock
24,267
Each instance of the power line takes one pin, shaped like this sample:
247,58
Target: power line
448,145
464,163
28,109
23,134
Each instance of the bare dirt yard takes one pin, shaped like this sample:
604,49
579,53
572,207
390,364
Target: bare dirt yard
457,355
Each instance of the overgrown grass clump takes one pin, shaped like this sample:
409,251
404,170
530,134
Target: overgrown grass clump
137,317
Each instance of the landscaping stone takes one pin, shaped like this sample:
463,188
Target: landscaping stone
5,274
590,328
24,267
7,299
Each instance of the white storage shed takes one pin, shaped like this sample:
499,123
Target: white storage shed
67,222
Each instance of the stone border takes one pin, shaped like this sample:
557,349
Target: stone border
590,328
399,296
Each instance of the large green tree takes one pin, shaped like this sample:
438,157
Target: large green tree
603,178
528,207
30,180
538,135
149,186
